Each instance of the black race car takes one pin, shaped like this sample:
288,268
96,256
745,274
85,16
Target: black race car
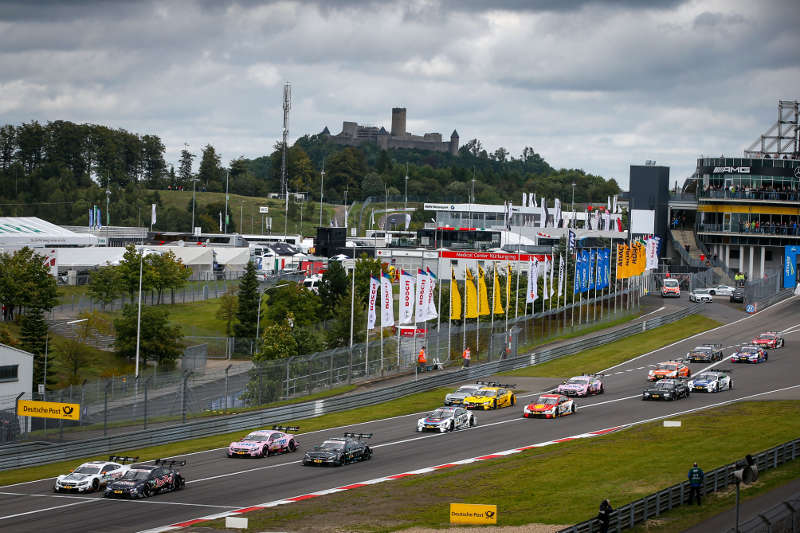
706,353
666,389
340,450
142,481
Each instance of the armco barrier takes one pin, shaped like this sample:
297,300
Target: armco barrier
784,517
653,505
11,458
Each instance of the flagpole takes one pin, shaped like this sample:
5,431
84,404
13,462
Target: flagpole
491,328
566,276
478,319
366,342
580,299
439,314
516,295
596,269
464,316
508,307
572,319
416,303
450,314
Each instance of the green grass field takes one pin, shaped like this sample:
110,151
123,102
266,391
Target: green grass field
557,484
617,352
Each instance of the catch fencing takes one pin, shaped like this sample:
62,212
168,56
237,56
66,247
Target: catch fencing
17,455
655,504
781,518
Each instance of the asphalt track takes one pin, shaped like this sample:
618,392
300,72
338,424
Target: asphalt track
217,484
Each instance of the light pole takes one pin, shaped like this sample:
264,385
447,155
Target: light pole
405,201
573,201
108,214
227,177
139,312
321,191
194,182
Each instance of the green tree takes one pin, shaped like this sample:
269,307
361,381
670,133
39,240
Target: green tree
278,342
128,272
166,271
228,306
338,331
33,331
333,286
185,168
158,340
366,267
73,354
210,173
104,284
247,314
25,282
293,300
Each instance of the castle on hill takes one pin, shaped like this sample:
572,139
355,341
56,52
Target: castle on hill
354,134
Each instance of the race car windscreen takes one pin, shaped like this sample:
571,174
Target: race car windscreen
547,401
88,470
699,353
331,445
136,475
766,337
442,413
750,349
663,366
467,390
254,437
486,393
664,385
705,377
578,381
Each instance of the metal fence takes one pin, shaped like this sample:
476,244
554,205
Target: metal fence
781,518
22,454
759,289
664,500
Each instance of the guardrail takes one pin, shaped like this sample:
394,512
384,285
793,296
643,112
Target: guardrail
659,502
11,458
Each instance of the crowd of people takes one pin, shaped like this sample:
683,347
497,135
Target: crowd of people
746,192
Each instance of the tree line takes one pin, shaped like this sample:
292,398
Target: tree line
60,169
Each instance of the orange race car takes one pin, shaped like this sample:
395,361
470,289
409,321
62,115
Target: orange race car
670,370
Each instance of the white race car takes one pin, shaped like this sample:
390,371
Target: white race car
447,419
95,474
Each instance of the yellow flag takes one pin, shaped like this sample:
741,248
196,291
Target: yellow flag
472,296
642,258
498,305
620,261
627,267
483,303
455,298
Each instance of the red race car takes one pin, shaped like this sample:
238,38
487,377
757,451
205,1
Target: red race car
769,339
549,406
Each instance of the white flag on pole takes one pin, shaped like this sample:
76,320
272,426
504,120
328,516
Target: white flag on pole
153,215
533,275
560,276
387,301
421,300
407,296
374,288
552,267
431,312
545,296
557,214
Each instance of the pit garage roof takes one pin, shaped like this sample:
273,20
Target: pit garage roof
35,232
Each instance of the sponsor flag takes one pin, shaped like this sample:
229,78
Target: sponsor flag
455,297
607,221
543,214
533,281
524,199
577,279
498,305
590,279
508,215
98,219
619,224
431,311
483,294
614,208
153,215
571,241
421,300
557,214
387,301
407,294
91,217
508,286
620,261
546,266
374,288
560,276
552,267
471,295
585,258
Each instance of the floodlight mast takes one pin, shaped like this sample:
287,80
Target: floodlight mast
287,105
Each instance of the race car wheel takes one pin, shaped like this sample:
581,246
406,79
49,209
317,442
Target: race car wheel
146,491
95,485
602,390
513,400
573,409
494,404
265,451
179,483
367,454
338,462
292,446
472,421
730,385
56,489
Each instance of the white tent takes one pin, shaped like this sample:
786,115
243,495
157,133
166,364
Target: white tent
200,259
35,232
90,257
233,259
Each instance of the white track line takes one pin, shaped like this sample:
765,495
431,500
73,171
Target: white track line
48,509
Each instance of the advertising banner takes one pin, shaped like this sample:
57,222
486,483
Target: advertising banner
64,411
471,513
790,266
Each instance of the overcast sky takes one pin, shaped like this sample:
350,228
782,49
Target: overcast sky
591,85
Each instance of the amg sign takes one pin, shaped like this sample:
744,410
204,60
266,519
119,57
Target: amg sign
731,170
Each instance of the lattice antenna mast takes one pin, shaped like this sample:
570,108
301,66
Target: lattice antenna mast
783,137
287,105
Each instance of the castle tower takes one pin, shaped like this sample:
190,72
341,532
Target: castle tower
398,121
454,143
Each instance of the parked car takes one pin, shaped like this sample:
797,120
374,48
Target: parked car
722,290
737,296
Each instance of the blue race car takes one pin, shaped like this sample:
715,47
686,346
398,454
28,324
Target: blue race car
711,381
749,354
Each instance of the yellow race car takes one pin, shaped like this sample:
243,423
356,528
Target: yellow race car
491,396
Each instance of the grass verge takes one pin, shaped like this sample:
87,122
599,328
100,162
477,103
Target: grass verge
530,487
620,351
422,401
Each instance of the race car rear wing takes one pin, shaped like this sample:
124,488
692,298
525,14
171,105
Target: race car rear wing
122,459
358,436
169,463
287,429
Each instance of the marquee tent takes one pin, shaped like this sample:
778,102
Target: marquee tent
38,233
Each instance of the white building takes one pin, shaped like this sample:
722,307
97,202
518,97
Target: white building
16,377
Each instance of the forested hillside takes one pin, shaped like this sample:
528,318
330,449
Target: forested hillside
58,170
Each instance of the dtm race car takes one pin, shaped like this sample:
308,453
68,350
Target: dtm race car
491,396
142,481
94,474
707,353
749,354
550,406
711,381
457,397
769,339
340,450
447,419
581,385
669,369
264,443
666,389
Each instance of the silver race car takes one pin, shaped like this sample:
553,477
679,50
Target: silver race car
447,419
711,381
457,397
95,474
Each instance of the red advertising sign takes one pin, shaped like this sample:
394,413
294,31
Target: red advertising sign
409,332
490,256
